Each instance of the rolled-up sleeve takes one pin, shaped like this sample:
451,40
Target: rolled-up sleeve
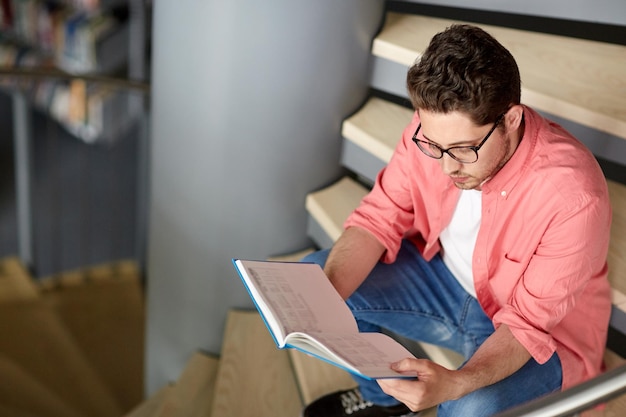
388,210
569,257
411,199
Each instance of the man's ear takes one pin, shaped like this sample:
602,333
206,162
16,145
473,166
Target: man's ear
513,118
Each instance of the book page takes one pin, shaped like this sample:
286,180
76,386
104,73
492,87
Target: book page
300,296
367,354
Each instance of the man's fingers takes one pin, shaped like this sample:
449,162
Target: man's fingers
410,365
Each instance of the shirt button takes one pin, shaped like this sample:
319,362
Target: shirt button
503,193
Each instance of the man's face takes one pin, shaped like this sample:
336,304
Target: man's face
456,129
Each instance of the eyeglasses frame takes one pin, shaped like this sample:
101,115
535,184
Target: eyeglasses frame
475,148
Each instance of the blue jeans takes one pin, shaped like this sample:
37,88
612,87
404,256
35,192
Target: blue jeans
423,301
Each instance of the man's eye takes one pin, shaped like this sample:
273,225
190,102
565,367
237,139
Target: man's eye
462,151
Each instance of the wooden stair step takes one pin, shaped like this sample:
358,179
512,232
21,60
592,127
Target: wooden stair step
20,391
331,206
192,394
102,307
6,410
36,340
617,246
377,127
616,259
618,313
15,282
117,270
555,69
292,257
254,378
444,357
316,377
152,405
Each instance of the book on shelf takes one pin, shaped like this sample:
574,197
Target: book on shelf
302,310
75,36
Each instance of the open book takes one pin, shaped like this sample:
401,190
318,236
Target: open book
302,310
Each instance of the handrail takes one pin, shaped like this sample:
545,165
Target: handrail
39,73
579,398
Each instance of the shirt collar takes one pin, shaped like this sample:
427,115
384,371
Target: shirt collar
509,175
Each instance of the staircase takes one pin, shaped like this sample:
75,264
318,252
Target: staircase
71,345
253,377
553,70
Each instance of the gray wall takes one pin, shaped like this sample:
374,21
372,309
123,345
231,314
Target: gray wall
248,99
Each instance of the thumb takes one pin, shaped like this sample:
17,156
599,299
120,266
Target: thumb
405,365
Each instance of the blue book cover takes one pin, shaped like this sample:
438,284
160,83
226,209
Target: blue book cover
302,310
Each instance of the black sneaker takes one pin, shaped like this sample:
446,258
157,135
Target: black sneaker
351,403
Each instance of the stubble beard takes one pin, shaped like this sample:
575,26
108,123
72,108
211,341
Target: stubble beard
476,183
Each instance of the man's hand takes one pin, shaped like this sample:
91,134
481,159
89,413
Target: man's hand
498,357
435,384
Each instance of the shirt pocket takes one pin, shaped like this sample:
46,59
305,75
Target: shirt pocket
506,276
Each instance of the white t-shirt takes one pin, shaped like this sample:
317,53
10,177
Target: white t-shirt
459,238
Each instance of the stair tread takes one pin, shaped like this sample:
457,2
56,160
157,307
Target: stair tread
618,299
617,245
15,282
253,368
192,394
6,410
332,205
442,356
292,257
151,406
377,127
317,378
102,308
27,394
33,336
555,69
122,270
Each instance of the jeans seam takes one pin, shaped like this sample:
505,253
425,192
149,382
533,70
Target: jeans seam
462,320
429,315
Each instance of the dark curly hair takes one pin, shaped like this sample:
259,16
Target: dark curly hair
465,69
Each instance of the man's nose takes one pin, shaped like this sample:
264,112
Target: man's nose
448,164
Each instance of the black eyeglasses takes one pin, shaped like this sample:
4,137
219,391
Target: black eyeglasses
462,154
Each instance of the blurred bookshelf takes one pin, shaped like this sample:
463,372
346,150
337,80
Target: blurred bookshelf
70,39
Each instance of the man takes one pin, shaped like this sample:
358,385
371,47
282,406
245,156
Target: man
487,233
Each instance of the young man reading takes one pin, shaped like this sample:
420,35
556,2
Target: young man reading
487,233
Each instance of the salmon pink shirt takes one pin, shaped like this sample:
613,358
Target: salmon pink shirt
539,263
